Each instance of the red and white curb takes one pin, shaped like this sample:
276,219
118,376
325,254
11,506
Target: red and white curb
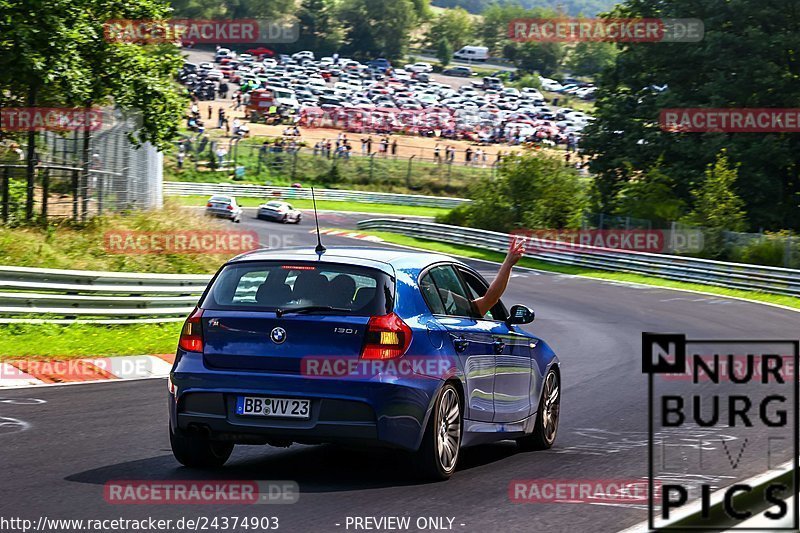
348,234
26,373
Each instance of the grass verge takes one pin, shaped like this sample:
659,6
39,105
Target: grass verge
477,253
331,205
54,341
82,246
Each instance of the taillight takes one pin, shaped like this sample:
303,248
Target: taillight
230,207
387,337
192,333
208,204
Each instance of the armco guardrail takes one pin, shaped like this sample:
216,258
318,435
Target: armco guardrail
729,275
62,296
179,188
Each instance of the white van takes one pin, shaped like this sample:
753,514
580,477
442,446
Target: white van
472,53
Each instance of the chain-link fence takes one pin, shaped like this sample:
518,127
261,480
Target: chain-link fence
78,174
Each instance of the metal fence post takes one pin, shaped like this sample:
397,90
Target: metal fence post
408,173
45,193
100,191
75,194
294,165
371,165
6,178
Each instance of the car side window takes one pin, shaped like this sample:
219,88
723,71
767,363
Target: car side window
444,292
428,288
477,288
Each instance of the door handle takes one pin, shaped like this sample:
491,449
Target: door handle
499,346
460,344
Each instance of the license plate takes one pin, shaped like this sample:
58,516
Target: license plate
273,407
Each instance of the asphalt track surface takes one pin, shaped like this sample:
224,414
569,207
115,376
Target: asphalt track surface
59,451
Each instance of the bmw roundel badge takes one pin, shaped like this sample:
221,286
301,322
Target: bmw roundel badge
278,335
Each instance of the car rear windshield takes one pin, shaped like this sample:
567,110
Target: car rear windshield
272,285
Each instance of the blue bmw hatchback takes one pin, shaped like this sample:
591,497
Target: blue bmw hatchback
357,346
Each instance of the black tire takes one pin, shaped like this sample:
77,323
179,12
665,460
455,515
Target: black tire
437,457
299,218
284,219
198,452
545,428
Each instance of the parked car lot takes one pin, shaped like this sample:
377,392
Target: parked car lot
483,109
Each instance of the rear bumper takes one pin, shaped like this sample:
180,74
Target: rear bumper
388,411
270,215
221,214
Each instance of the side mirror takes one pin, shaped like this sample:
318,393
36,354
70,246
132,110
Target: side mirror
520,314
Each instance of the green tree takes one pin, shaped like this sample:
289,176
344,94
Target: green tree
492,30
40,61
544,58
444,52
529,192
590,58
375,28
746,59
650,196
493,27
455,25
55,53
717,205
319,27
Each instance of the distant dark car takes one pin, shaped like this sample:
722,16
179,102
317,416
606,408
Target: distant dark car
279,212
463,72
380,64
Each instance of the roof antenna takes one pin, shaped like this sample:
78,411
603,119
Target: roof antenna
320,249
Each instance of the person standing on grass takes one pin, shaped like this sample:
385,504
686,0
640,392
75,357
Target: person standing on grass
394,148
181,155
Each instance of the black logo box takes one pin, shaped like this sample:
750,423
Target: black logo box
677,365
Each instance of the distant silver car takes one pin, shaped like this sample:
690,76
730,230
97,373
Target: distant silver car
224,207
278,211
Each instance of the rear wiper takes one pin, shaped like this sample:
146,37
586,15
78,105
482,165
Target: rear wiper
310,309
